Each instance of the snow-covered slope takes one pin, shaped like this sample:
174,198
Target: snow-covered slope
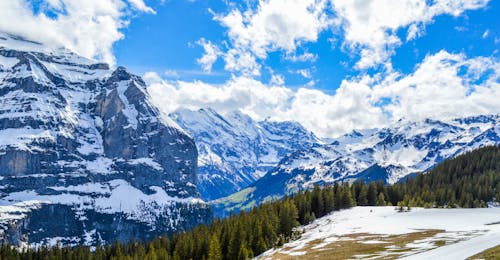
462,233
235,151
388,154
84,156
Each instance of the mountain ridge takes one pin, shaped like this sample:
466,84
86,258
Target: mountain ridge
388,154
235,150
85,157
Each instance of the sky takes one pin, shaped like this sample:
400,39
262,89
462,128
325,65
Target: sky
333,66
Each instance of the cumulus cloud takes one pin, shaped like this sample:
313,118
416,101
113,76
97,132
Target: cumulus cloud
274,25
277,79
371,26
171,74
306,73
306,56
244,93
140,5
88,27
369,29
442,86
243,62
210,56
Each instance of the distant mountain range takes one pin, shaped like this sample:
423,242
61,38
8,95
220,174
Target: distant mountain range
235,151
388,154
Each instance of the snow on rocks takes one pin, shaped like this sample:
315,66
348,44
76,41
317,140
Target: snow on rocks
390,155
87,144
235,150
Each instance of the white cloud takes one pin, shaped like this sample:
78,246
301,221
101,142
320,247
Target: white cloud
304,73
275,25
246,94
485,34
311,83
371,26
241,62
88,27
437,89
277,80
140,5
368,28
210,56
443,86
151,77
415,31
171,74
306,56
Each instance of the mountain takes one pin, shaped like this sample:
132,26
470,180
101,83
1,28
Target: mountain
389,154
84,156
235,150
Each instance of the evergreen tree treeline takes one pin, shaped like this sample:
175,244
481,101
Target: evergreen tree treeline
469,180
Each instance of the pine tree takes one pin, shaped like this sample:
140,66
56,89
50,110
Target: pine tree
380,199
363,196
372,194
338,196
329,199
214,252
244,253
288,215
237,239
317,203
347,201
151,255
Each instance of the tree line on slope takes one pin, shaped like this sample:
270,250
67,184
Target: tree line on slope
469,180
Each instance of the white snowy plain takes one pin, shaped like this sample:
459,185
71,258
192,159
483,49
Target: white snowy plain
466,231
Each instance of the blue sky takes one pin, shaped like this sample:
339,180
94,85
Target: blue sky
332,65
166,41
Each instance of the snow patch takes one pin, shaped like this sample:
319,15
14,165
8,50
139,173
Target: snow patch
129,110
148,162
470,229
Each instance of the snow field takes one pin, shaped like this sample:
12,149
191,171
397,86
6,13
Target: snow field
466,231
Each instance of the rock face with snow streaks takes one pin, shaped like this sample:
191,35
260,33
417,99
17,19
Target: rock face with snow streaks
84,156
235,150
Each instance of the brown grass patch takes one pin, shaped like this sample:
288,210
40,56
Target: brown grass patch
359,245
489,254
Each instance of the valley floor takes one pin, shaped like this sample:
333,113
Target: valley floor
374,232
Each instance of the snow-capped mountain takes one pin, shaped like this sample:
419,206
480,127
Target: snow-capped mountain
84,156
388,154
235,151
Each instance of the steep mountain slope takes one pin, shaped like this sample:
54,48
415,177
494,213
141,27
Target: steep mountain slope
235,151
84,156
389,154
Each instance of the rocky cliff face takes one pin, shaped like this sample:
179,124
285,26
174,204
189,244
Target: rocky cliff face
235,150
84,156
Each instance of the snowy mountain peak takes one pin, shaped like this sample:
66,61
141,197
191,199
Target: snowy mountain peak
481,119
235,150
121,74
20,43
77,139
387,154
